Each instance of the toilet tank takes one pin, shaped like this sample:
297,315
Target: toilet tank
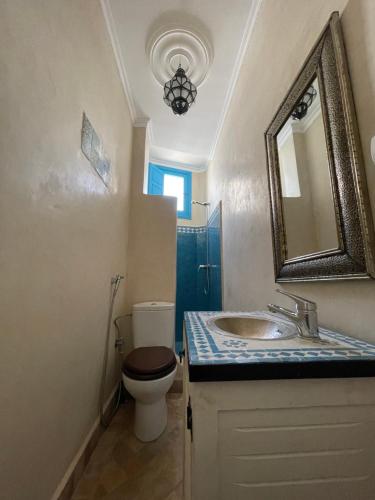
153,324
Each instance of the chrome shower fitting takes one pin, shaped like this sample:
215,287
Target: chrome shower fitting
203,266
201,203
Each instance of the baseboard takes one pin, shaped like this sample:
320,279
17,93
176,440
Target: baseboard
69,482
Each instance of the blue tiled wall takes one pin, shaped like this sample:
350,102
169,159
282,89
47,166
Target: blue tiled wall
191,252
214,259
202,299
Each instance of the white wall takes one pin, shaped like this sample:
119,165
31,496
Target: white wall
152,237
284,33
63,234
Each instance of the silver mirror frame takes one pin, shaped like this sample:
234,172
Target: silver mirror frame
355,256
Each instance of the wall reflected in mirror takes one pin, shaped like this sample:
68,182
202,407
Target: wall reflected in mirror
307,196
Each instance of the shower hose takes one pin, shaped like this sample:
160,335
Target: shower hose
105,419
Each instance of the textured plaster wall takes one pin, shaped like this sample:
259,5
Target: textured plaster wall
310,219
63,234
298,214
284,34
152,237
320,186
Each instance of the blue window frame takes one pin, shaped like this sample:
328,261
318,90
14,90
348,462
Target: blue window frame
171,182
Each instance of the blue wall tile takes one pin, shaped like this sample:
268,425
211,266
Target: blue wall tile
191,285
214,259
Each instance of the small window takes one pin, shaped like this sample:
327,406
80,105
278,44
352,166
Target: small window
171,182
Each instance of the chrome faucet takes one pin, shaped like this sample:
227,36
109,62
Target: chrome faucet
305,316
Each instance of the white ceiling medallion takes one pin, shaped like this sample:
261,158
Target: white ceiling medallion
172,46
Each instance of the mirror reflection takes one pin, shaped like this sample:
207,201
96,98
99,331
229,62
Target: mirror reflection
308,207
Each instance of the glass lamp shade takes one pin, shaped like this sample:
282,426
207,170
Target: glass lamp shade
179,93
300,109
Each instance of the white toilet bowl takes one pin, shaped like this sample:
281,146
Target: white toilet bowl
150,404
149,370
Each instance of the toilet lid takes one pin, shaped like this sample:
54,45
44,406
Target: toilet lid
149,363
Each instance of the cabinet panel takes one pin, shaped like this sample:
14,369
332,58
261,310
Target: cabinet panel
310,453
187,433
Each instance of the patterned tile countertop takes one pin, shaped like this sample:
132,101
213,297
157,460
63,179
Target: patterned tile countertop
207,348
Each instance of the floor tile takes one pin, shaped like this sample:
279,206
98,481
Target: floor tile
123,468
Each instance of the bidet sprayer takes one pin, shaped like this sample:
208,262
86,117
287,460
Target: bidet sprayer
115,281
115,284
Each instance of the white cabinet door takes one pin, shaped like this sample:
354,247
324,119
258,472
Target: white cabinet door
187,432
281,440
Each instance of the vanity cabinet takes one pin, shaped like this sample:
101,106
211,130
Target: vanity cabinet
287,419
279,439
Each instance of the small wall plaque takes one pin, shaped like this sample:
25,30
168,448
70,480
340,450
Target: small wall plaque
92,148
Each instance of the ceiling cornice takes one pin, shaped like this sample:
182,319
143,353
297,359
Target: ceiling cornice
141,122
107,13
177,159
176,164
253,13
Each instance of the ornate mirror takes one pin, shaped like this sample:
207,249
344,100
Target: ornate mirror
321,218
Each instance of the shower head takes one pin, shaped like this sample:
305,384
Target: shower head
201,203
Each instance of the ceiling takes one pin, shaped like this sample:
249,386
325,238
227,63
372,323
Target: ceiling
222,29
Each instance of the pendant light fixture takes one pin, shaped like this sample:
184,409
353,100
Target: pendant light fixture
300,109
180,92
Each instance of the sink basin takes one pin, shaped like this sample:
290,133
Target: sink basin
251,328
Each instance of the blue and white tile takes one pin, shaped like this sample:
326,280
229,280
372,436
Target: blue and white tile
191,229
209,347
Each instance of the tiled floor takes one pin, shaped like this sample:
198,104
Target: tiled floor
124,468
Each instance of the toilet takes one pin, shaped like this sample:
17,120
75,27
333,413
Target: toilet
149,370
